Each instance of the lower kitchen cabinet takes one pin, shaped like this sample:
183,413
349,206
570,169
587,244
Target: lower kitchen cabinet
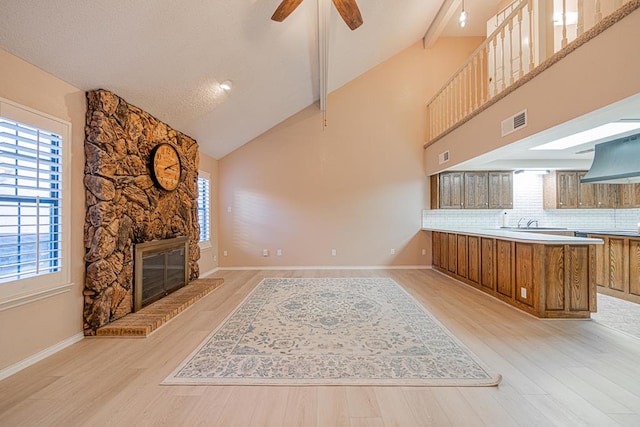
543,279
618,267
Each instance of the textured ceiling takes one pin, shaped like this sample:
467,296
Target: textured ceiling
168,57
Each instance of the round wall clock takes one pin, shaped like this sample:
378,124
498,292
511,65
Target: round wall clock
166,166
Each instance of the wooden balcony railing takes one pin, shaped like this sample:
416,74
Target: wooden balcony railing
526,33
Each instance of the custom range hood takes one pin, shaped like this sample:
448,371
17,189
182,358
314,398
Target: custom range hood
615,162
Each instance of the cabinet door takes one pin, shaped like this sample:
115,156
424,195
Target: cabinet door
618,264
586,193
476,190
451,190
463,258
567,190
500,190
473,267
629,195
504,282
488,264
435,246
524,273
453,253
444,251
606,196
634,267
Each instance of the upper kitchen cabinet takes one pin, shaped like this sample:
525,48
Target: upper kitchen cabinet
451,190
592,196
472,190
563,190
500,190
629,195
476,190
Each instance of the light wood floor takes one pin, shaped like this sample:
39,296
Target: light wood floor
555,372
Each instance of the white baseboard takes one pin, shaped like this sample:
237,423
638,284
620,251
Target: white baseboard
208,273
32,360
325,267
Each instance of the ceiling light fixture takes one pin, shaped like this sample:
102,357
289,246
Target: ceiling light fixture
226,85
462,20
590,135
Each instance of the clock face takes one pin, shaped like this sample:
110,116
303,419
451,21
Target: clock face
166,167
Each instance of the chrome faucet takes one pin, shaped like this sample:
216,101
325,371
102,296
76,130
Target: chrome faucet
531,222
520,220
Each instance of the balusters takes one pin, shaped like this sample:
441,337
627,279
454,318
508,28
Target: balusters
531,35
598,14
502,85
580,24
510,53
520,45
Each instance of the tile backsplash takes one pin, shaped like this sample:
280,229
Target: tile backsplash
527,204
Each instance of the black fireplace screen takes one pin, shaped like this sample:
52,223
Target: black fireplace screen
161,267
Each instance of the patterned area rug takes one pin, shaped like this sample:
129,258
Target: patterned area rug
364,331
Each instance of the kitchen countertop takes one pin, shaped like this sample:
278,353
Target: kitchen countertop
519,236
626,233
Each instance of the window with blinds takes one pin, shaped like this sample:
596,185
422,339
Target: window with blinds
30,201
203,206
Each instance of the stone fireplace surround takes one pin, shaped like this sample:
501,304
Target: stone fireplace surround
124,207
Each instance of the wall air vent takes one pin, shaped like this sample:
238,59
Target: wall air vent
514,123
443,157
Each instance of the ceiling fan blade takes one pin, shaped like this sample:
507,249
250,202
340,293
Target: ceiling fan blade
285,9
350,12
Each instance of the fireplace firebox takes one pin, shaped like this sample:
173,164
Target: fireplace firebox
161,267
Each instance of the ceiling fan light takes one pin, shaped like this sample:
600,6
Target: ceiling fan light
226,85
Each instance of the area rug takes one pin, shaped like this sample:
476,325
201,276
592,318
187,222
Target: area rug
355,331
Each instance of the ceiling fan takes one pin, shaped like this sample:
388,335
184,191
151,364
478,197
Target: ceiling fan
348,9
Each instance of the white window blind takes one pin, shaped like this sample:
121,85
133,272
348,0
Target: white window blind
30,201
203,207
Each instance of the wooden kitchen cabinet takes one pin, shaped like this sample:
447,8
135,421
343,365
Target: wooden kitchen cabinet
451,190
463,259
563,190
476,190
629,196
618,266
596,196
453,253
435,245
473,267
547,280
472,190
500,190
504,279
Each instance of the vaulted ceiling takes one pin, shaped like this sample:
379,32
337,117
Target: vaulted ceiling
169,57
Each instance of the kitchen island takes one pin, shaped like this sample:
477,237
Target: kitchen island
548,276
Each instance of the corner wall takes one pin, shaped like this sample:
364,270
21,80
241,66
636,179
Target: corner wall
357,186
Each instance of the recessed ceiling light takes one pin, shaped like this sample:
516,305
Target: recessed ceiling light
226,85
604,131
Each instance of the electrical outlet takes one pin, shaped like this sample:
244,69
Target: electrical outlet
224,253
228,209
523,292
334,252
279,252
393,251
424,252
215,258
265,252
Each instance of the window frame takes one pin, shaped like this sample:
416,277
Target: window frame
204,244
21,291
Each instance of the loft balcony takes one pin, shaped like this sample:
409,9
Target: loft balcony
528,37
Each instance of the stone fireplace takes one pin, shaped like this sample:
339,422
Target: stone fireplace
125,207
